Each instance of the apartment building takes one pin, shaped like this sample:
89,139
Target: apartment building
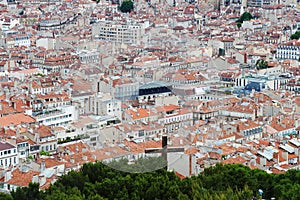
125,32
89,56
103,104
260,3
53,109
289,50
125,88
18,40
8,155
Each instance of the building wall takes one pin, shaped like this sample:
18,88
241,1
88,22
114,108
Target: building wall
63,117
9,157
288,52
127,33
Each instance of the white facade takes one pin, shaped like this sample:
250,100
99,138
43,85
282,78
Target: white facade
288,52
174,121
8,155
89,56
230,113
128,91
47,43
127,33
103,104
62,116
18,40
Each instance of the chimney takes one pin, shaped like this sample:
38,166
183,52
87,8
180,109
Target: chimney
164,141
11,126
72,160
35,179
263,161
14,105
42,180
42,167
7,176
190,165
56,170
276,157
285,155
238,128
18,131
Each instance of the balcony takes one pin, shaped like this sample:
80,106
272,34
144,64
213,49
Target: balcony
49,114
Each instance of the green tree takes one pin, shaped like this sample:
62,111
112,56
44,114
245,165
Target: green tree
44,153
246,16
296,35
261,64
30,192
4,196
98,182
126,6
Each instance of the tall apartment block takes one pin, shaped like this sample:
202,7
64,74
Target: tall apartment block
125,32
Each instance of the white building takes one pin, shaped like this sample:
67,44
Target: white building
104,104
62,116
8,155
54,109
127,33
89,56
18,40
289,50
47,43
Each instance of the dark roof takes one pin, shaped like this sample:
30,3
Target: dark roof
255,85
5,145
155,84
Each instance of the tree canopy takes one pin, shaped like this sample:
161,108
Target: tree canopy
261,64
296,35
98,182
126,6
246,16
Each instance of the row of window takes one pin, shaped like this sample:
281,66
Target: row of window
253,131
8,161
7,152
49,147
23,145
57,118
176,119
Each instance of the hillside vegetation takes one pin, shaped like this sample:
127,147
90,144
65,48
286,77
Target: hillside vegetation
98,181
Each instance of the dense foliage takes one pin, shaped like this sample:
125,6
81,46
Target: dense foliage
140,165
246,16
98,181
261,64
296,35
126,6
